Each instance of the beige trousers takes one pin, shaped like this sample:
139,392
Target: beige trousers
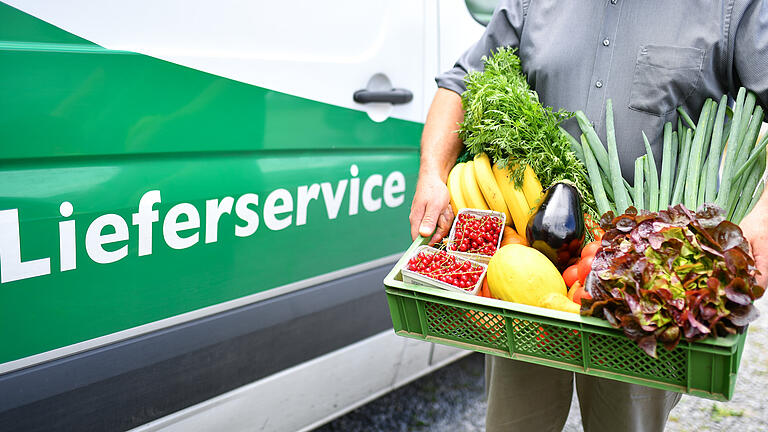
527,397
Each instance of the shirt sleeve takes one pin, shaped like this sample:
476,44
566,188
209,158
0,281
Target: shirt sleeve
503,30
750,50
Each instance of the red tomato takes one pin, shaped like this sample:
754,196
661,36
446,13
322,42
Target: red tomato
585,266
571,275
579,294
590,249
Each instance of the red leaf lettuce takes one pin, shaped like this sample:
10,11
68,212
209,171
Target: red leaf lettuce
673,274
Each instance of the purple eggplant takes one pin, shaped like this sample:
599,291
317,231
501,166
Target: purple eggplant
556,227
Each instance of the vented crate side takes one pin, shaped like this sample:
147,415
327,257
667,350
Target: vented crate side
557,339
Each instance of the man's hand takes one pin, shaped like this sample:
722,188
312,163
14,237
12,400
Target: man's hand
440,145
755,229
431,209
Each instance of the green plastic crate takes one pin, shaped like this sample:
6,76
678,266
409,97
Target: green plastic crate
558,339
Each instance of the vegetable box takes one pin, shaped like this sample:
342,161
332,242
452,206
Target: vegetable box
557,339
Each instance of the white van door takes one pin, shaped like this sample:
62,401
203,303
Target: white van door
323,51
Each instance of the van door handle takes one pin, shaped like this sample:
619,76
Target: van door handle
394,96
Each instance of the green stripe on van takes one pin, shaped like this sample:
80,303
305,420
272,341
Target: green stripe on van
99,129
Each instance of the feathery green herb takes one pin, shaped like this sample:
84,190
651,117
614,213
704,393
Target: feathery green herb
504,118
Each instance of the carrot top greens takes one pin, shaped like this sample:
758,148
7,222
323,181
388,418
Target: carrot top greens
504,118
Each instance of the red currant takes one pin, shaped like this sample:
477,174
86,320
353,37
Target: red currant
446,268
476,234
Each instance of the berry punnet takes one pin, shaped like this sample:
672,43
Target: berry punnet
446,268
476,234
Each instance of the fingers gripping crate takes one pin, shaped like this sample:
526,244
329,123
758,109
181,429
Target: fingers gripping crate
557,339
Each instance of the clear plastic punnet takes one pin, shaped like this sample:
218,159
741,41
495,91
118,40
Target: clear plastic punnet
454,236
416,278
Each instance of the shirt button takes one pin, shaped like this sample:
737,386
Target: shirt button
613,1
599,84
606,42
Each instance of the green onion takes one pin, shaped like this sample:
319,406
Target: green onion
748,144
598,150
687,118
755,198
639,193
750,186
708,137
646,173
685,150
673,171
733,202
665,181
652,177
726,131
759,148
739,182
628,188
702,185
575,146
607,187
746,115
620,194
694,164
593,170
723,194
715,151
603,177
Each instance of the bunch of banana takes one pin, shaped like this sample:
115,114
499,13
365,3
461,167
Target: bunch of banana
480,185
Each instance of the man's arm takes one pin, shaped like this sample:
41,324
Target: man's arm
440,146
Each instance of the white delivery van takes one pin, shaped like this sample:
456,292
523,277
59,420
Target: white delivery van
199,201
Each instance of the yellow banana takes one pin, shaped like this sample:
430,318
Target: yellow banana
488,186
469,188
532,187
454,188
514,197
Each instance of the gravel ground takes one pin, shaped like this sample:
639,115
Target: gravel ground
451,399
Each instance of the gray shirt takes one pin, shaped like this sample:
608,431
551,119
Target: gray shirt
649,57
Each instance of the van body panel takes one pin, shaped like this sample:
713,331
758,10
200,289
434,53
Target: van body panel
305,48
101,130
355,375
156,374
88,101
192,207
65,307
